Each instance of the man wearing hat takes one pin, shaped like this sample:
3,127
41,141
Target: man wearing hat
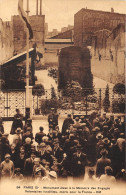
77,123
18,118
28,123
17,136
57,151
79,161
66,123
28,166
27,134
53,118
102,163
43,154
18,176
7,167
40,135
37,167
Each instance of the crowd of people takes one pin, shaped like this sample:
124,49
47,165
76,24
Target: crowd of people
95,144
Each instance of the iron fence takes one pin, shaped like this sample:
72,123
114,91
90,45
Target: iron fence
90,100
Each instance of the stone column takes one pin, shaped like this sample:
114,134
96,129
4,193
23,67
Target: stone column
29,110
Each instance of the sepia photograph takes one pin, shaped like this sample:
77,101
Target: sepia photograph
62,97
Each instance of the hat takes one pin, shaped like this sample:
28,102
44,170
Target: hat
77,119
18,130
28,129
104,152
37,160
53,174
45,138
17,170
71,135
96,129
99,136
5,134
56,141
38,169
7,155
29,119
106,141
91,171
79,146
42,145
27,139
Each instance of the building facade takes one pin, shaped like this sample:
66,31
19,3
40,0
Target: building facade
6,41
19,33
87,22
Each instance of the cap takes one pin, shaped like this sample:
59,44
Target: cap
37,160
27,139
99,136
7,155
42,145
38,169
53,174
18,130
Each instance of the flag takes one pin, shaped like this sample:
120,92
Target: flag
24,18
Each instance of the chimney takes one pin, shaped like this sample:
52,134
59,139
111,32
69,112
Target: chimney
36,7
40,7
112,10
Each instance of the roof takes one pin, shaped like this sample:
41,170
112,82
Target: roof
19,58
58,41
99,11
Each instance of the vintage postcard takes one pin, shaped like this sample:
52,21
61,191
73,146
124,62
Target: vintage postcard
62,97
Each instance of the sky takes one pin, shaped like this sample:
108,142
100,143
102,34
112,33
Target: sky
60,13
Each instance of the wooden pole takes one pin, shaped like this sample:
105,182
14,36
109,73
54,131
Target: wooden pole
27,62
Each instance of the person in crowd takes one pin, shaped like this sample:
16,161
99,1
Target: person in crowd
102,163
7,167
1,125
66,123
28,166
91,176
39,166
18,176
40,135
79,161
18,118
53,118
107,177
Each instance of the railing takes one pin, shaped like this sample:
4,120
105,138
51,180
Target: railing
90,100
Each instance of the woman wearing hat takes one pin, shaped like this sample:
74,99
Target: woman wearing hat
7,167
102,163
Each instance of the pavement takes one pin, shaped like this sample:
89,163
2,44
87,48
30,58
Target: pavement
35,124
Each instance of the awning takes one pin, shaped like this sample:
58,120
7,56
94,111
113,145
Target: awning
20,57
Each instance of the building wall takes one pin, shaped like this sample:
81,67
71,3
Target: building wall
6,41
86,22
110,70
19,29
52,51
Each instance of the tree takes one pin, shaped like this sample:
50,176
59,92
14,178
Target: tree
119,88
106,101
53,93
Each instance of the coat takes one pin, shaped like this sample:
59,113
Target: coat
101,164
79,162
